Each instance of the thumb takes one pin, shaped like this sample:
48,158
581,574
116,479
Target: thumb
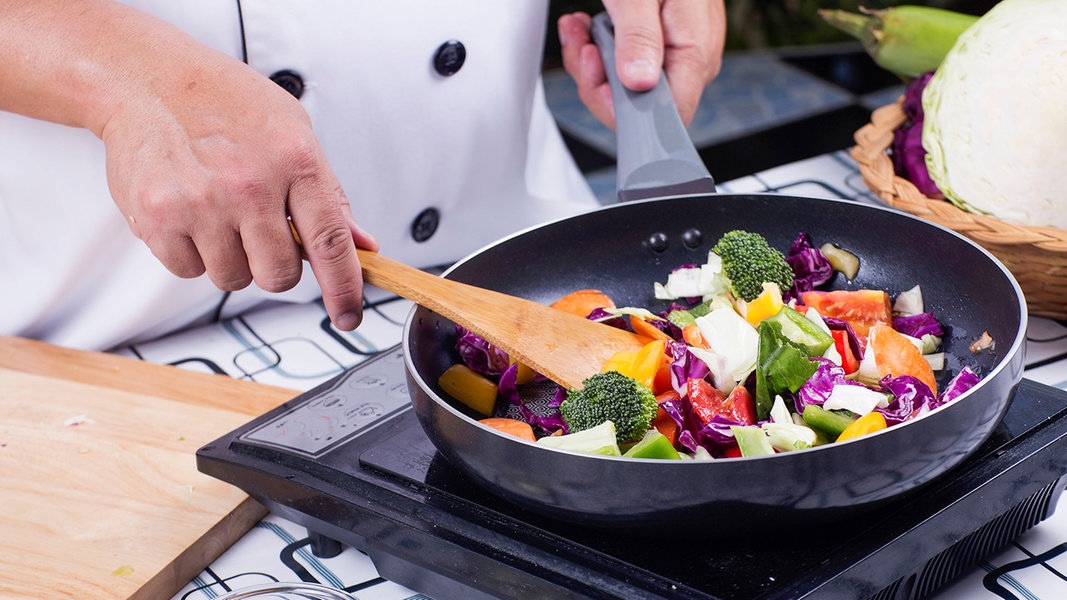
638,42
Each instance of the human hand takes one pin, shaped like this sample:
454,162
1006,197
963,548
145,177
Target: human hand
682,38
210,162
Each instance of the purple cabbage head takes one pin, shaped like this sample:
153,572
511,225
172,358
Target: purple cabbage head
909,156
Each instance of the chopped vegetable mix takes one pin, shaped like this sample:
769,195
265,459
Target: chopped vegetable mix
723,377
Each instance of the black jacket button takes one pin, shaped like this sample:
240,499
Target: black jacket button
425,224
290,82
449,58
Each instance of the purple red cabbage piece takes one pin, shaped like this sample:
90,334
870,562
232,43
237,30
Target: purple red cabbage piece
479,355
963,381
810,266
918,325
603,316
914,398
685,366
836,324
508,389
714,436
818,388
909,396
666,326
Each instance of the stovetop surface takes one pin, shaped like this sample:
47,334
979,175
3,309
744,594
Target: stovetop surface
370,478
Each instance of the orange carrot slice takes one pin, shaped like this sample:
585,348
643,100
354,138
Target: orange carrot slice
583,302
692,336
644,328
515,427
895,355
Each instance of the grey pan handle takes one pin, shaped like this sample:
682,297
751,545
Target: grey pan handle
656,157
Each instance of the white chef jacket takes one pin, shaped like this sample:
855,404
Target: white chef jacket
476,149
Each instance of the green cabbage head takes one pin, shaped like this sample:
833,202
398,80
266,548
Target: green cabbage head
995,126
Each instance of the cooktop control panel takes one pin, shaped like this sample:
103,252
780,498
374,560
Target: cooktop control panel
351,405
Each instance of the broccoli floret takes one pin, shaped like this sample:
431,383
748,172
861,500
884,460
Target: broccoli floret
748,261
610,396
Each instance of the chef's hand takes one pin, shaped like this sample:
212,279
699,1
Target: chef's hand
211,176
682,38
207,159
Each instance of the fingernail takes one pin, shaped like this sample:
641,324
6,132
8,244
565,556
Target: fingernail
560,28
347,322
642,69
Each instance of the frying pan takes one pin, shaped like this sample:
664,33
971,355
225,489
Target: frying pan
623,248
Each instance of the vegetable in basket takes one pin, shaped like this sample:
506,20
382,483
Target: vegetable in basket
909,155
995,125
905,40
984,123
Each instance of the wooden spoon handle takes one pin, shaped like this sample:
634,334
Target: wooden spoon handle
561,346
436,293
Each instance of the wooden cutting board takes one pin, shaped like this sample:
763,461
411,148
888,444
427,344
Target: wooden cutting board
99,492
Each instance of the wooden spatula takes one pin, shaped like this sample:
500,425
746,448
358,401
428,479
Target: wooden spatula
563,347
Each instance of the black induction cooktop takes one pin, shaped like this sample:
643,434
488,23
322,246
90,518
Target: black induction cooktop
349,461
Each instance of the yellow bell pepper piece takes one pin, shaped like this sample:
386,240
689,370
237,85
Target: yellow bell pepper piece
767,304
470,388
648,360
868,423
524,375
620,361
641,365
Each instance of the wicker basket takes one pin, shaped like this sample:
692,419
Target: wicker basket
1037,256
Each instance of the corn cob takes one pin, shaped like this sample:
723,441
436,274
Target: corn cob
906,40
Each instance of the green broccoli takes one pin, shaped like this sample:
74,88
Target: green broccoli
610,396
748,261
